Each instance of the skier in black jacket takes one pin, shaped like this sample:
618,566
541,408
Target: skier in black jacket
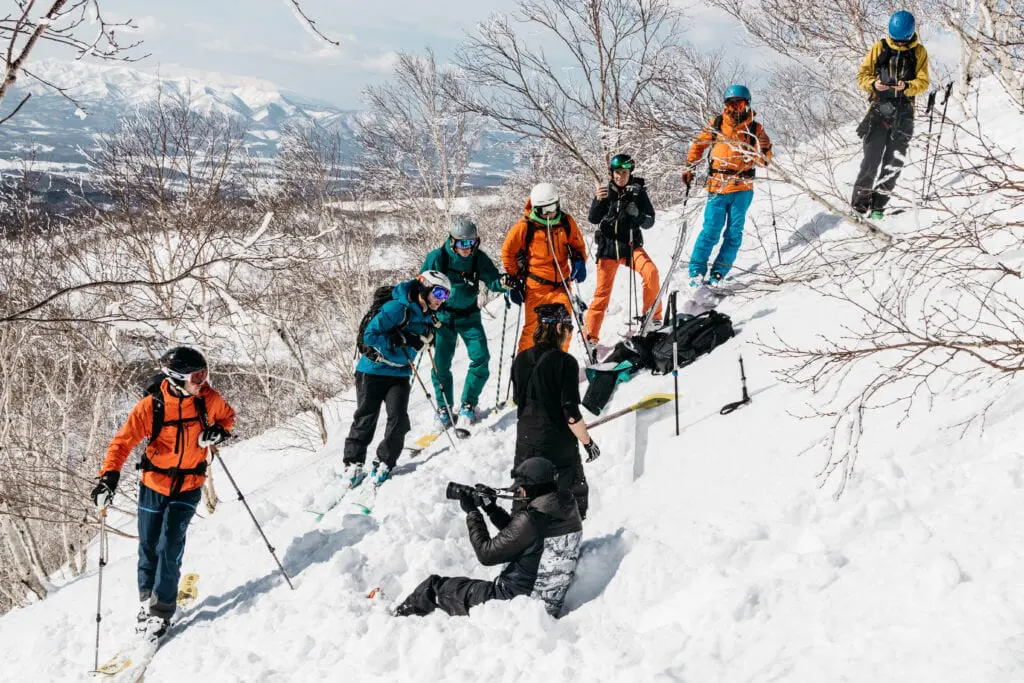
546,390
539,545
623,210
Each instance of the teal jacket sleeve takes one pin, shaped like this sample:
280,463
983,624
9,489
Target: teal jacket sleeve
489,274
432,261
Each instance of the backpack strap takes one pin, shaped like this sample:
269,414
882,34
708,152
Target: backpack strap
749,130
471,278
533,375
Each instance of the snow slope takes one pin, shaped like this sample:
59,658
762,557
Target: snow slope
724,561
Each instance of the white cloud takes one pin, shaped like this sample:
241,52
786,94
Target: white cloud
385,62
145,25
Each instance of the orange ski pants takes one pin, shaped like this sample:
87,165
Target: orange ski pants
538,293
606,269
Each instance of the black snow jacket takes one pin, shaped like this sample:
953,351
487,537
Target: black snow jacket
617,228
539,545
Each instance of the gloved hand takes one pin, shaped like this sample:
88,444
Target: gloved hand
593,452
579,269
687,177
484,497
103,494
212,435
509,281
632,210
517,296
467,502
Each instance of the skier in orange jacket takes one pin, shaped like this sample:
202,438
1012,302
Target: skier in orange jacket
544,251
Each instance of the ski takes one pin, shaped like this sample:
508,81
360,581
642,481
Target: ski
130,664
677,252
646,403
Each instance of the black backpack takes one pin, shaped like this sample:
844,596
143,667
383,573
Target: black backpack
750,131
177,474
152,388
696,335
472,277
381,296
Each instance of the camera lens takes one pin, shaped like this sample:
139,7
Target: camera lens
454,491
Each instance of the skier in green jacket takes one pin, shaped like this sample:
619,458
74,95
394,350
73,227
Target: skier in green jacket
467,266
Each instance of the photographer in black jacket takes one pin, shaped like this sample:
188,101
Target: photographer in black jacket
623,209
539,546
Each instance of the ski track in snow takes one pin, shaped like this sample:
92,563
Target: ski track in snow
723,562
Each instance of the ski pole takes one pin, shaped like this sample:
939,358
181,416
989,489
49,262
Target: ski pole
576,314
930,111
254,521
459,432
512,358
419,357
672,302
667,280
430,397
771,202
938,137
729,407
501,354
99,590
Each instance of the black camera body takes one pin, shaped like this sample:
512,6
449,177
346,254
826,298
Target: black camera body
455,490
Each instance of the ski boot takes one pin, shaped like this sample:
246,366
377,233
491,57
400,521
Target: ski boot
715,281
443,419
467,414
379,474
353,475
696,281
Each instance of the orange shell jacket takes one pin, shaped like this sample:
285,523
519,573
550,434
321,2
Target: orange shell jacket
168,450
732,153
539,258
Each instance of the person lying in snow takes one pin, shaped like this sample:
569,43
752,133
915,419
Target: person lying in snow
539,544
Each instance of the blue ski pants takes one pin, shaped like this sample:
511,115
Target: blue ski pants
727,211
163,521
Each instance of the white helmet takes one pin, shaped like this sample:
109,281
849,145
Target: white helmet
543,194
434,278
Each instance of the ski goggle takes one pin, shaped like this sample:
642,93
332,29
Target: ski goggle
735,101
465,244
197,377
623,161
548,210
440,293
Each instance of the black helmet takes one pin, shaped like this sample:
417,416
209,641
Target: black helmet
534,472
181,362
552,314
620,161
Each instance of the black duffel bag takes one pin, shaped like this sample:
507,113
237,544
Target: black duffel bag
696,335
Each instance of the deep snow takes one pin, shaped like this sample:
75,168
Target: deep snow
725,561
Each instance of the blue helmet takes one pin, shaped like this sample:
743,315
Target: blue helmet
901,25
737,91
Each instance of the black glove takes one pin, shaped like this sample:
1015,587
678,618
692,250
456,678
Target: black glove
509,281
400,338
517,296
103,494
631,210
467,501
212,435
593,452
484,497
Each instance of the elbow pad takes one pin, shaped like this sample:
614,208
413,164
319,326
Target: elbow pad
572,412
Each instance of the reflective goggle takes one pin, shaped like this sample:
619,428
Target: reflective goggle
564,322
550,209
465,244
733,101
440,293
619,161
197,377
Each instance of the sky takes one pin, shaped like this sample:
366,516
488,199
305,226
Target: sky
263,39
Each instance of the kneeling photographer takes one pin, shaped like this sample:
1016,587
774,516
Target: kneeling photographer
539,545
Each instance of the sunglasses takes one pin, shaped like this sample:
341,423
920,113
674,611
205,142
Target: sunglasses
197,377
466,244
440,293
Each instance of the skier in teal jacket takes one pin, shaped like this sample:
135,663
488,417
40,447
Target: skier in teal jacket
467,266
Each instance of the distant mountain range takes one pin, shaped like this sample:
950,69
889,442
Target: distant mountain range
60,134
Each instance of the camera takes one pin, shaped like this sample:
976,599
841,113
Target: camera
633,189
455,490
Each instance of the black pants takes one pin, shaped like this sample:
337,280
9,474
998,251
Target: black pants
371,392
885,144
455,595
569,466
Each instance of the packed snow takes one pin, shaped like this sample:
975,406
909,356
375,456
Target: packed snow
724,561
